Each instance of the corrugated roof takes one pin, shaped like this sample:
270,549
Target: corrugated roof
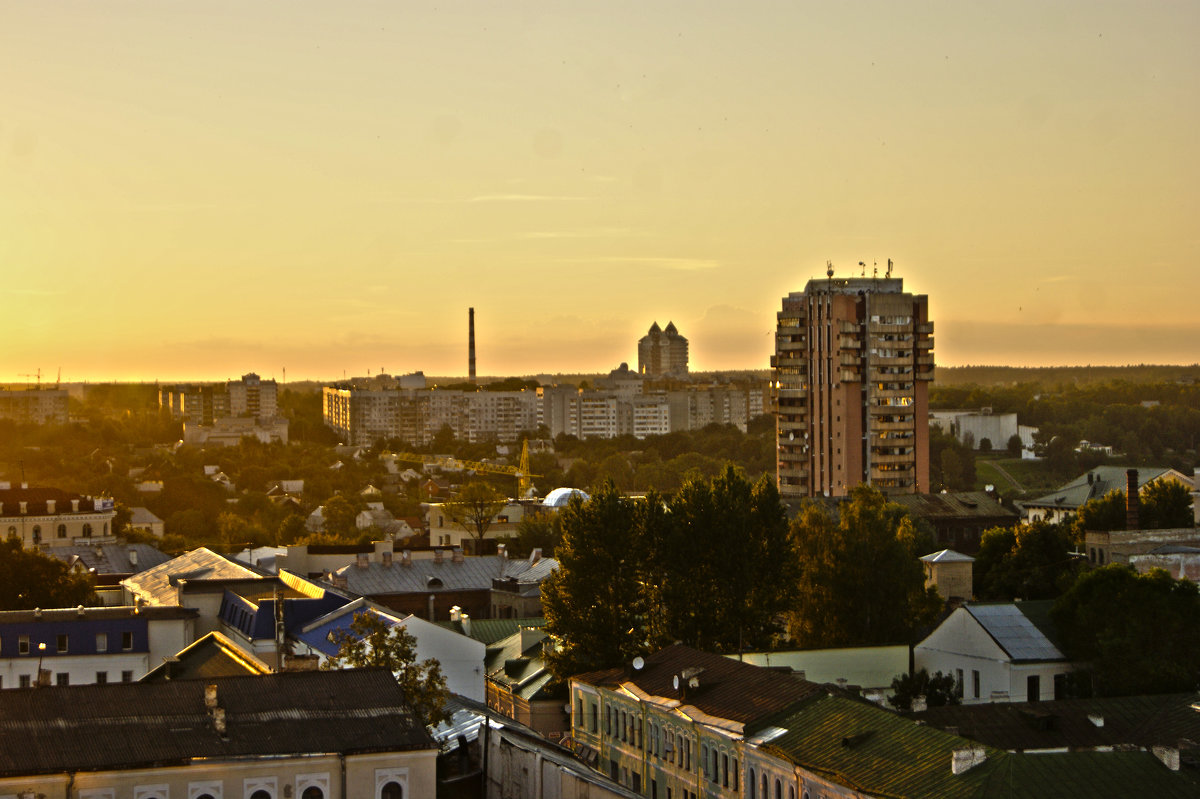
489,631
1159,720
1087,775
136,725
110,558
874,750
953,505
948,556
1015,631
728,689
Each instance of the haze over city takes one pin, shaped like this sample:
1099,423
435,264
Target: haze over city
196,191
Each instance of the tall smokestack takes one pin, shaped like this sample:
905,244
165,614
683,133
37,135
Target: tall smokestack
1132,500
471,344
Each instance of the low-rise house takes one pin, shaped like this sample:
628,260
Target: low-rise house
142,520
110,561
1181,562
1057,505
197,579
461,658
998,652
430,587
80,646
958,518
307,735
48,516
1122,546
951,573
865,671
519,684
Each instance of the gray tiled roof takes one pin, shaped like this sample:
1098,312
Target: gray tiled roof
472,574
1015,632
111,558
159,724
1103,479
199,564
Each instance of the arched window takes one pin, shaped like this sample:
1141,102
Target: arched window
762,784
312,792
62,531
37,532
205,796
778,789
106,528
12,532
87,531
392,790
261,793
750,780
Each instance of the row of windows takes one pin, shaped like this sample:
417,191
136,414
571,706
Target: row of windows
61,531
62,644
64,678
261,788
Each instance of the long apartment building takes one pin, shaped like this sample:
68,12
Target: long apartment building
251,396
363,412
34,405
852,365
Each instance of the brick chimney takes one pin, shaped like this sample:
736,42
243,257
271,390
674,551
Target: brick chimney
387,559
363,560
1132,501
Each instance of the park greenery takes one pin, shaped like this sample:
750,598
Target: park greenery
29,579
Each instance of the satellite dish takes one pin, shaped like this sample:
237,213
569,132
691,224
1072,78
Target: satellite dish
675,682
639,663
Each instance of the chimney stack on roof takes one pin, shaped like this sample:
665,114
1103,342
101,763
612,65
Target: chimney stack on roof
457,555
1132,501
363,560
387,559
963,760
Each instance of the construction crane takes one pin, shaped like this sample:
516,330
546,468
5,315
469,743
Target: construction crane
38,376
521,472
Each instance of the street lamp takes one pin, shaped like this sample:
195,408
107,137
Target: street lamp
41,654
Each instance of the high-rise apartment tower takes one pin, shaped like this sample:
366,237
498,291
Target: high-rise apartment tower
852,365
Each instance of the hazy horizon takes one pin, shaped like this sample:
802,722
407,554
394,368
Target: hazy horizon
195,192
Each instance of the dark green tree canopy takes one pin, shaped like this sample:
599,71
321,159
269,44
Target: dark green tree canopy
371,641
1139,632
858,583
29,579
1029,561
474,507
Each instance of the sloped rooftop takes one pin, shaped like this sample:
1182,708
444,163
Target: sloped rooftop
728,689
159,724
158,584
1020,628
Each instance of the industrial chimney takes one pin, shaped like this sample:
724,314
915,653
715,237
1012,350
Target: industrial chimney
471,344
1132,500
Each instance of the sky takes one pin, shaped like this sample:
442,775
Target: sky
310,190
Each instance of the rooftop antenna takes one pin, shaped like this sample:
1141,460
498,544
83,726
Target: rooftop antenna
875,271
864,268
829,269
889,269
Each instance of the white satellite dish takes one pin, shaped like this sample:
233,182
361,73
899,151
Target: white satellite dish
639,663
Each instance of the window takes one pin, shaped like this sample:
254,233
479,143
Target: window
25,681
101,678
975,682
87,531
62,531
778,789
62,678
958,682
579,711
101,642
127,641
1033,689
312,792
127,676
12,532
751,785
23,645
595,724
61,642
263,794
724,770
37,532
735,780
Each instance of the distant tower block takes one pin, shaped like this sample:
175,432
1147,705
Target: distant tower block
663,353
471,343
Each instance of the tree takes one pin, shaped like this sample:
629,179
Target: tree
985,444
537,531
1029,561
474,507
858,585
29,579
371,641
939,690
1165,504
339,516
1014,446
1101,514
593,603
1139,632
722,566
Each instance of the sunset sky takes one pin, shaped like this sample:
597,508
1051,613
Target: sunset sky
198,190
